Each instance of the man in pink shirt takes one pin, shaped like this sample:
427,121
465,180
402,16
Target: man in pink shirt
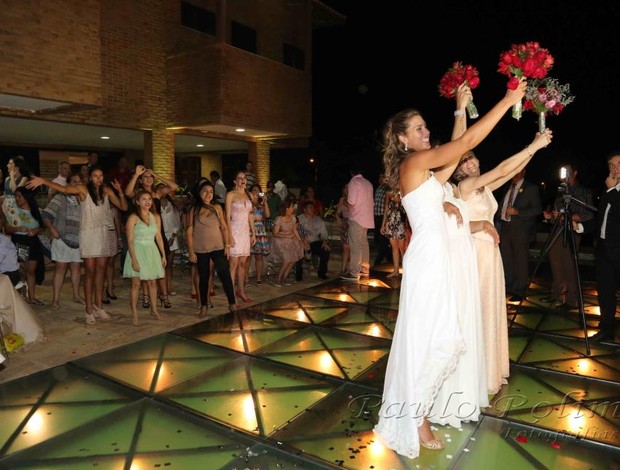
361,218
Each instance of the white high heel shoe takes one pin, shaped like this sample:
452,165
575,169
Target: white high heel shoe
100,313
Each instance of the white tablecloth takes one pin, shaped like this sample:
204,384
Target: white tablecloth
17,316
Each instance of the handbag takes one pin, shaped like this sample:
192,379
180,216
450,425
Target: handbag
12,341
23,251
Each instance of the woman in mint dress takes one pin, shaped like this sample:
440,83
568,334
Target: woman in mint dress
147,259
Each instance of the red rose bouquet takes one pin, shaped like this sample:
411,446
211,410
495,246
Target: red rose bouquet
454,77
546,96
527,60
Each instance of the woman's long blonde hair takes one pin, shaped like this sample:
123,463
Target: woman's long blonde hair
394,151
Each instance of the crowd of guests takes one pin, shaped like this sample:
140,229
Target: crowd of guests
94,224
435,218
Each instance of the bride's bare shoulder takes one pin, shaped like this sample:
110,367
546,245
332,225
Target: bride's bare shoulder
411,179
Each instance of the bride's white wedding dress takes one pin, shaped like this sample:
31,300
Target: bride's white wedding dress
427,342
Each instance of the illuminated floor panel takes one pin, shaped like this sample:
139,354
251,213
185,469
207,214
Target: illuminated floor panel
296,383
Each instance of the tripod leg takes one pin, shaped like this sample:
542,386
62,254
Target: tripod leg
573,246
555,233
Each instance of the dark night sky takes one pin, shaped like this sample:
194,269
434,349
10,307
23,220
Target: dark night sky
390,55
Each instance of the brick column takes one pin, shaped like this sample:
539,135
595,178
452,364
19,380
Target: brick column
159,151
259,153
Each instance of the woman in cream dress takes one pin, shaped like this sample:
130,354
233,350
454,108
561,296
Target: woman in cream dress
477,191
464,392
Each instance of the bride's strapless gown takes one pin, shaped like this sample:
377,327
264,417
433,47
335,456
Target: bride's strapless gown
427,342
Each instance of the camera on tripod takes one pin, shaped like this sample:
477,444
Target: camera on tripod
565,175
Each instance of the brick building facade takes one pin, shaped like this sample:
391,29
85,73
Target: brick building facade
164,68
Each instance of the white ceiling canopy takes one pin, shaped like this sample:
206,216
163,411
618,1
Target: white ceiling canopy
33,132
33,105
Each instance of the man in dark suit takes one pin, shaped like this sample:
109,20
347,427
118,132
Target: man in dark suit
607,252
519,214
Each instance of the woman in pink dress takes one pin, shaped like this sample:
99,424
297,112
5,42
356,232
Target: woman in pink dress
286,245
241,222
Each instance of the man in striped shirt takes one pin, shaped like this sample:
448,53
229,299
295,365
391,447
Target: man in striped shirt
382,244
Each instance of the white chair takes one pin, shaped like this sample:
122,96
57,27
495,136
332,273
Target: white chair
4,354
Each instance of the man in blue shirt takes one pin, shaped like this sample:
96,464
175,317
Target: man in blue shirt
8,259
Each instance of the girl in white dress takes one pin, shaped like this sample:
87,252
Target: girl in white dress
171,221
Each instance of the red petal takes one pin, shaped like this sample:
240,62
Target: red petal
555,444
522,439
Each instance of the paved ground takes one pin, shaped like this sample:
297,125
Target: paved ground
67,337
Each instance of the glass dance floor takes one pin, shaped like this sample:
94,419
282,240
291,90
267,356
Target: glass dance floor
295,383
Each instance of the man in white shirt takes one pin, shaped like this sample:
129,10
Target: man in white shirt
92,159
316,238
280,189
64,170
219,188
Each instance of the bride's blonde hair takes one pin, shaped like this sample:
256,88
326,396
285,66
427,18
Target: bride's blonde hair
394,151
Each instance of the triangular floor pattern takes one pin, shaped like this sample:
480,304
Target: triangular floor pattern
296,382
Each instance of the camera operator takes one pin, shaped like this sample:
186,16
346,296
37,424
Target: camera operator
607,230
564,286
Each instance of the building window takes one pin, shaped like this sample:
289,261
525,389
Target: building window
197,18
293,56
186,170
243,37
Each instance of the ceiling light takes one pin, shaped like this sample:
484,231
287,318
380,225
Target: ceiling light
240,129
199,145
105,137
